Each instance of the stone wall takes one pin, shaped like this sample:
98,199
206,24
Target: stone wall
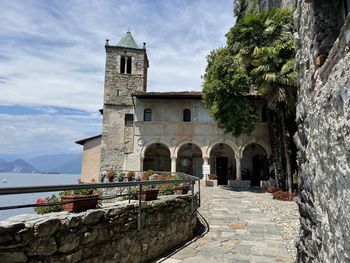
101,235
323,117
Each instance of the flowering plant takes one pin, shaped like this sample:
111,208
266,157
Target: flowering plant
48,205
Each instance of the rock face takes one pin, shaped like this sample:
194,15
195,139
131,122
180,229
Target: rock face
323,118
100,235
260,5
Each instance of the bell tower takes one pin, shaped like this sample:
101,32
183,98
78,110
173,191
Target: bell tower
125,73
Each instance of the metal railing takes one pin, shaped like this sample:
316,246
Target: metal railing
185,178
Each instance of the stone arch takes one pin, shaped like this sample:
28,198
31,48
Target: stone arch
157,157
260,142
189,159
153,141
222,161
185,141
230,143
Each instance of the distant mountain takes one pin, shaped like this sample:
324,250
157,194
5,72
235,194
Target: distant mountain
17,166
59,163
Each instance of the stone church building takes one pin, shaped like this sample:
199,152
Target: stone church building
166,131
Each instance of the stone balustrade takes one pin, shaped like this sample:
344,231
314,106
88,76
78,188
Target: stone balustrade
107,234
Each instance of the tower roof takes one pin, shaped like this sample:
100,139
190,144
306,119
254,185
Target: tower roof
127,41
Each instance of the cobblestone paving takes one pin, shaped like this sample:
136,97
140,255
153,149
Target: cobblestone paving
238,232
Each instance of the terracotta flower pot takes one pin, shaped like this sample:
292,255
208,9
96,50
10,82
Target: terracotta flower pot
181,190
79,206
149,195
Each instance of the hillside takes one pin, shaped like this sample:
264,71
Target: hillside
60,163
17,166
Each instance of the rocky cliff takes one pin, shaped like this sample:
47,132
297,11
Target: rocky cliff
323,117
259,5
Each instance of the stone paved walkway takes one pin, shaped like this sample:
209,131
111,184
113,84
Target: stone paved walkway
238,232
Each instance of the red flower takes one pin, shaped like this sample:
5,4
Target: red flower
93,180
41,201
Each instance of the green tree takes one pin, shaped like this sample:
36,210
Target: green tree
259,57
225,88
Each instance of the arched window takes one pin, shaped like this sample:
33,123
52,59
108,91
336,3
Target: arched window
147,115
187,115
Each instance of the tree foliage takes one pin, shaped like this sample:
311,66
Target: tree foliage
259,57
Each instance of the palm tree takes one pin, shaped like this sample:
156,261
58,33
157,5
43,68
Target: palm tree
263,43
276,81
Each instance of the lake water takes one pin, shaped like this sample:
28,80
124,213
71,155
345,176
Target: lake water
21,179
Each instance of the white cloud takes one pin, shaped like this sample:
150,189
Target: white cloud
52,54
44,133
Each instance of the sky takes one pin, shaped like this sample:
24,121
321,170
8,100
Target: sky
52,60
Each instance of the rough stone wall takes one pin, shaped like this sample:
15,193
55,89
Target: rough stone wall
260,5
323,118
99,235
116,138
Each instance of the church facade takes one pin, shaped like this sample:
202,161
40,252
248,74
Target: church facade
166,131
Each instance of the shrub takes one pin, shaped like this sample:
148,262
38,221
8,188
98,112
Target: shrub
283,196
44,206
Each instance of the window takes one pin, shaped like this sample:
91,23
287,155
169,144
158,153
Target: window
147,115
129,120
128,66
125,65
187,115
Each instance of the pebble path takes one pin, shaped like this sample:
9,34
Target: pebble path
244,226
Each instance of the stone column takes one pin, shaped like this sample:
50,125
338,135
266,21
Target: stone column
238,169
173,164
205,162
141,164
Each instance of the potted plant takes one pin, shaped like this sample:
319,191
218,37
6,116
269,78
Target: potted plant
130,176
110,175
82,199
166,189
182,189
149,192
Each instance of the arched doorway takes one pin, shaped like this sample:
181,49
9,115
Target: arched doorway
157,158
222,163
255,164
189,160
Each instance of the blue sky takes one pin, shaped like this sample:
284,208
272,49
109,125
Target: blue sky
52,61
